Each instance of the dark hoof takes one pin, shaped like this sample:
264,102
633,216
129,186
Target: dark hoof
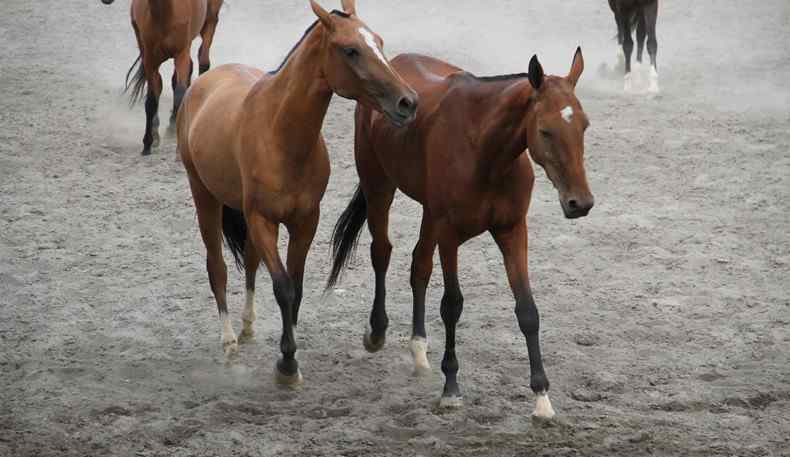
146,151
283,378
373,344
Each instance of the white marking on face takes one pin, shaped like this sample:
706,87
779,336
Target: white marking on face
371,42
567,114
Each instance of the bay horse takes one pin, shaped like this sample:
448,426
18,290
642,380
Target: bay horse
164,29
252,147
463,159
642,16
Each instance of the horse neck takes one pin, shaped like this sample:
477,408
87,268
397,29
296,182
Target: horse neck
503,133
303,97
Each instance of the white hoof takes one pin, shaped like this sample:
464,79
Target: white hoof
419,350
231,347
451,402
247,332
229,342
543,407
292,381
628,83
653,85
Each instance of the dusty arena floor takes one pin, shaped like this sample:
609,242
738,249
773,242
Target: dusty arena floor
664,314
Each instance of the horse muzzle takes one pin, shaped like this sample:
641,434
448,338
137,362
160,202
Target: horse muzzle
576,207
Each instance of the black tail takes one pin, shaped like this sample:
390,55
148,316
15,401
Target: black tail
235,229
346,235
137,83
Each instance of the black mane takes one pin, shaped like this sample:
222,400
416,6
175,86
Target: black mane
502,77
304,35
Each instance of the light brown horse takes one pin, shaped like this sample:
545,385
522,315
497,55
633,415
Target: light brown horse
164,30
252,146
463,159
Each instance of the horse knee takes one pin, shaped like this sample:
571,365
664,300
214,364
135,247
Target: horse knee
380,252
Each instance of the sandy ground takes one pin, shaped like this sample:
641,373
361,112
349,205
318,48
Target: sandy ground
665,313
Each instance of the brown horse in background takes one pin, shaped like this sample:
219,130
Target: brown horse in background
252,147
165,29
463,159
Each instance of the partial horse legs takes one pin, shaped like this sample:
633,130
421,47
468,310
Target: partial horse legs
451,308
251,262
378,207
513,244
207,36
651,16
154,80
645,17
209,212
421,269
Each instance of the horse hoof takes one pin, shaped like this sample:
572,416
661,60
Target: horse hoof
156,141
451,402
419,350
293,381
543,409
231,348
628,84
146,151
247,335
372,345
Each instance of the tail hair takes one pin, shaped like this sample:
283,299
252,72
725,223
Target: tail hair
346,235
234,227
137,83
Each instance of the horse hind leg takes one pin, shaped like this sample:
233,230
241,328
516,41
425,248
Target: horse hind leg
252,261
154,80
651,17
180,82
209,212
207,37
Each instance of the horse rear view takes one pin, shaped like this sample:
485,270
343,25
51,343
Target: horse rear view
165,29
642,16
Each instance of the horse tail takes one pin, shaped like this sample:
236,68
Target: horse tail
234,227
346,235
136,85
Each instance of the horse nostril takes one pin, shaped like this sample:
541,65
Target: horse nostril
407,105
573,204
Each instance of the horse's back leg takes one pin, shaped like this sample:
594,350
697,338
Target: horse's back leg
181,76
651,17
640,35
252,261
209,212
154,80
451,308
624,29
512,243
207,37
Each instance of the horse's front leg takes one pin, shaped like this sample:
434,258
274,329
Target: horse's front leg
452,306
300,238
513,244
263,233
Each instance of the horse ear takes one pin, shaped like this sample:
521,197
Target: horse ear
577,67
535,73
323,15
349,6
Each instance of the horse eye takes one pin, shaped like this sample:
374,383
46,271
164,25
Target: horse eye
546,134
350,52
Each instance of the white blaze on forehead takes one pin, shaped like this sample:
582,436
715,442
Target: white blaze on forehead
567,114
371,42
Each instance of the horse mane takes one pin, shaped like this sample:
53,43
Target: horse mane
304,35
501,77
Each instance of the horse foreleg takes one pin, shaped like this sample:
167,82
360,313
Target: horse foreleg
421,269
451,308
624,29
264,237
300,238
513,244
